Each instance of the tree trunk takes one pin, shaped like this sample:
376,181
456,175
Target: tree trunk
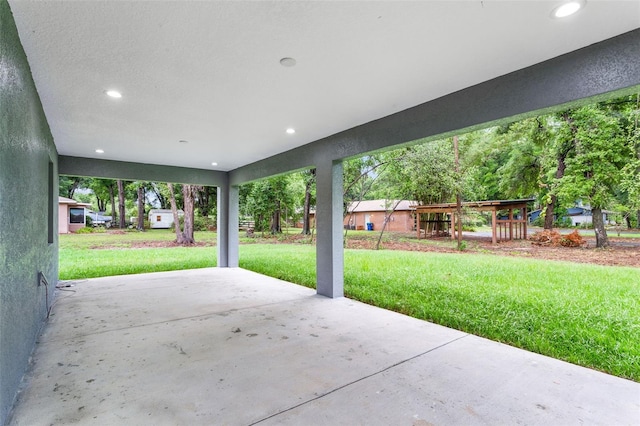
189,201
140,224
275,219
205,194
548,214
306,218
121,212
113,205
638,219
458,194
102,204
174,211
72,189
548,218
598,226
386,220
562,165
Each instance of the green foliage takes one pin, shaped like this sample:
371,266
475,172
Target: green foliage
424,173
199,223
267,199
600,153
67,185
84,230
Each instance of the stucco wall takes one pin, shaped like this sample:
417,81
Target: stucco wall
28,212
63,219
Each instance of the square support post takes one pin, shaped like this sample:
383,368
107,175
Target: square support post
329,243
228,220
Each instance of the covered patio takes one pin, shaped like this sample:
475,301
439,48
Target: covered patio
227,93
228,346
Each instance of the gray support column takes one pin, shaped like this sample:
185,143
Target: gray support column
228,215
329,247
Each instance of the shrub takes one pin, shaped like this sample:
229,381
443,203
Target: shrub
199,223
84,230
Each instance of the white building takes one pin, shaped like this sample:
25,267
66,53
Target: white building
162,218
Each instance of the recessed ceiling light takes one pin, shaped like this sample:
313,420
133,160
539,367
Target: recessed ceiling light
291,131
214,164
113,94
287,62
100,151
183,141
567,8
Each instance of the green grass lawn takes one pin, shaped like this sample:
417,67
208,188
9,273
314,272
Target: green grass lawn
585,314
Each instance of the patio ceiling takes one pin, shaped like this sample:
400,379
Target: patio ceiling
202,82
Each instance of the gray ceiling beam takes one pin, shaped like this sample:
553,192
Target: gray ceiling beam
110,169
591,73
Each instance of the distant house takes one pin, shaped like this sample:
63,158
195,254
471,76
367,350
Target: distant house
72,215
581,215
162,218
376,212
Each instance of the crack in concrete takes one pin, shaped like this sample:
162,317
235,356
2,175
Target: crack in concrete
358,380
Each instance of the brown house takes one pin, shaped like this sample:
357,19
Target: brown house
376,212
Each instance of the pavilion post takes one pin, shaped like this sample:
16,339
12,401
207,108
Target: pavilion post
494,219
510,224
453,225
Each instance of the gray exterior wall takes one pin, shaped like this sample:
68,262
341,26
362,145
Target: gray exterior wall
28,210
110,169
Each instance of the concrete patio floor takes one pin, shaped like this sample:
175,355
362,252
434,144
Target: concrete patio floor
231,347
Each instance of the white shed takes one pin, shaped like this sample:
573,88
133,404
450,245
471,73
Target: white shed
162,218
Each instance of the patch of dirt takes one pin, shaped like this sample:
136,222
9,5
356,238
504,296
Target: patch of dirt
162,244
147,244
623,251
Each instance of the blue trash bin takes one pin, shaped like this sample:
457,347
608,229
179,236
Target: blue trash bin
369,226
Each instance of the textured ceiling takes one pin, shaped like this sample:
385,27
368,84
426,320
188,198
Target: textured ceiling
209,72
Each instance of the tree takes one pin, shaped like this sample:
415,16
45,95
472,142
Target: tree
67,185
174,211
121,205
184,234
309,177
265,202
628,110
593,168
188,196
204,196
102,189
160,192
425,172
141,203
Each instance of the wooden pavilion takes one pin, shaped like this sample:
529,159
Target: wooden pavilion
501,229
